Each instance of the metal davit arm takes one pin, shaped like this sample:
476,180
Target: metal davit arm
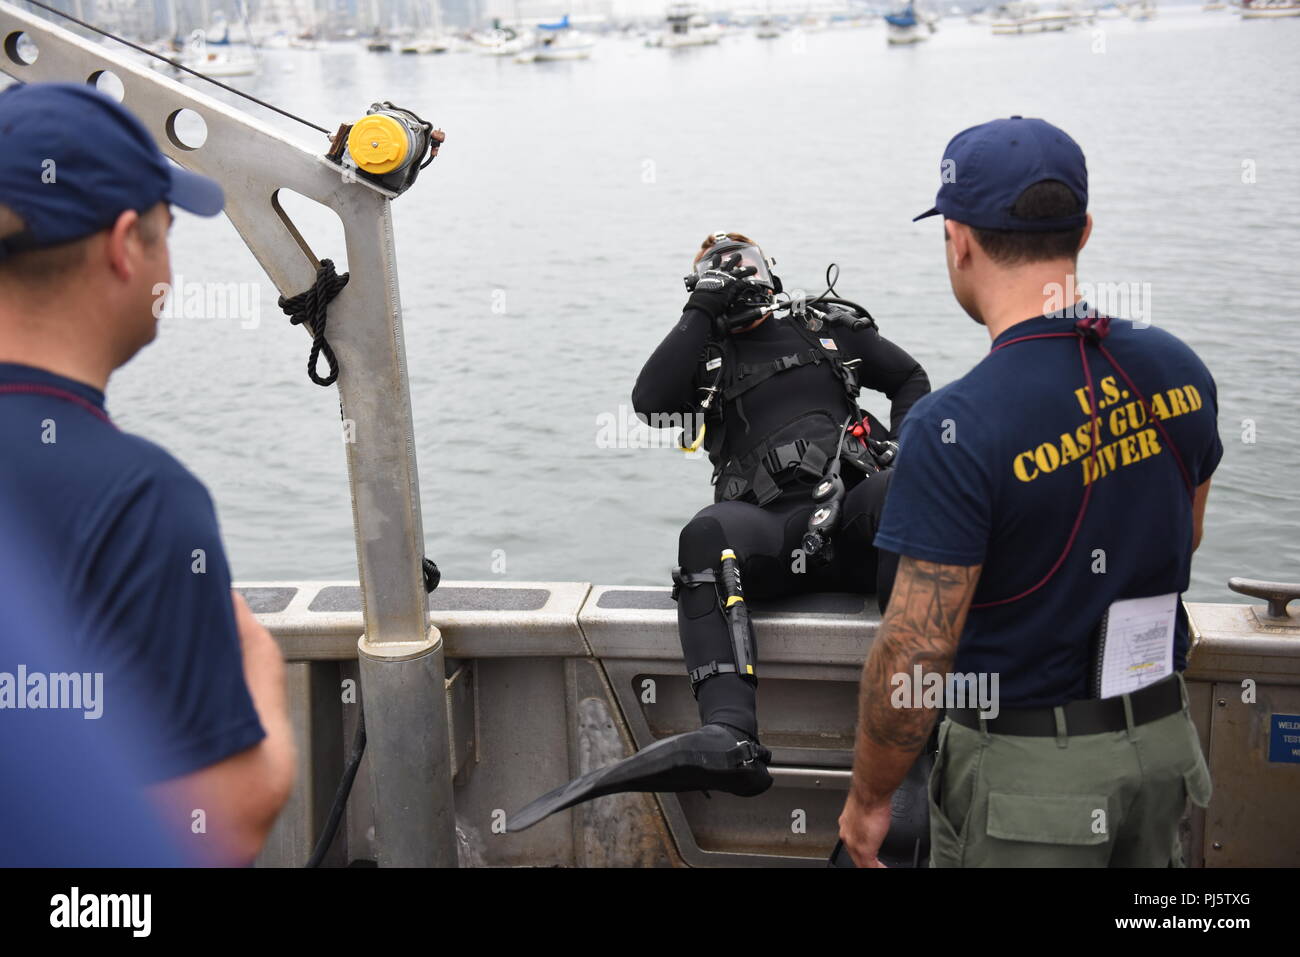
401,655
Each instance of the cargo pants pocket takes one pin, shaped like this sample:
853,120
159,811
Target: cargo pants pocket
1073,820
946,844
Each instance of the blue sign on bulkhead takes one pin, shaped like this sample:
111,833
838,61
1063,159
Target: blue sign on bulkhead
1284,738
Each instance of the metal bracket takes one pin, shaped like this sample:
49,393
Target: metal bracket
462,715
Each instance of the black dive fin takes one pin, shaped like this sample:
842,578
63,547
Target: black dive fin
710,759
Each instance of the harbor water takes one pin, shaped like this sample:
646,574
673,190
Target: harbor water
541,258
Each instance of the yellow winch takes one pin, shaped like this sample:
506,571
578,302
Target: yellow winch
379,143
389,145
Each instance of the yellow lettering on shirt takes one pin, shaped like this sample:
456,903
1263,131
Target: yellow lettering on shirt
1109,391
1119,420
1150,444
1124,434
1069,449
1046,457
1021,469
1081,394
1177,403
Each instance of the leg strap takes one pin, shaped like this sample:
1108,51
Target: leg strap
683,579
704,672
736,615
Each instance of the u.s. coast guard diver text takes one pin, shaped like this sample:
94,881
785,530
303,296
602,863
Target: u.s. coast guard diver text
1128,425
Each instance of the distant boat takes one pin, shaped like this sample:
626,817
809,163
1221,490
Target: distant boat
225,60
767,29
1080,12
1142,10
1013,19
685,27
379,42
428,36
500,41
220,64
905,28
424,43
1269,9
218,34
557,41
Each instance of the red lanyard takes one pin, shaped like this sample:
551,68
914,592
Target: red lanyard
1094,328
57,393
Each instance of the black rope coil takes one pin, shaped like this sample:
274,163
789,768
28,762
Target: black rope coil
309,309
431,574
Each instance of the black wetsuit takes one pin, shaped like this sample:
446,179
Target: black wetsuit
765,538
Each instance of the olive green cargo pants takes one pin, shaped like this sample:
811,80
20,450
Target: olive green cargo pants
1098,800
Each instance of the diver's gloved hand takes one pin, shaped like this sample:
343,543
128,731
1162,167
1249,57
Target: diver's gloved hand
718,288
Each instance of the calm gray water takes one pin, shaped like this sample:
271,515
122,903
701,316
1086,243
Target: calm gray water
578,191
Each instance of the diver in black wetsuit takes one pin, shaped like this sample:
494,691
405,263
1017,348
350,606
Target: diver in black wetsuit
801,402
800,475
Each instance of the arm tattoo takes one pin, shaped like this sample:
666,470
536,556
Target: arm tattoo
926,615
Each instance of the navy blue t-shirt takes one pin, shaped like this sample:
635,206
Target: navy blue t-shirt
69,781
992,472
129,538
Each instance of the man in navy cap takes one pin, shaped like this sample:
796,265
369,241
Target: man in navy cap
113,524
1045,508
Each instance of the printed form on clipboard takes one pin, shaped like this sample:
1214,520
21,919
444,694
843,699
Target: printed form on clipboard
1134,645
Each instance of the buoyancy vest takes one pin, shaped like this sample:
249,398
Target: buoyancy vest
799,449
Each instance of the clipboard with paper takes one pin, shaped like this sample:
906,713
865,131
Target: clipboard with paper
1134,645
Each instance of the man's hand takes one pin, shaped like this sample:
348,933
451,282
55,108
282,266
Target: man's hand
863,828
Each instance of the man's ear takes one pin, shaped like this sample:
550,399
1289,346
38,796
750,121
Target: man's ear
958,243
122,239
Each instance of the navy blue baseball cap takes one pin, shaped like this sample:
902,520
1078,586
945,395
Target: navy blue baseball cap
73,159
987,167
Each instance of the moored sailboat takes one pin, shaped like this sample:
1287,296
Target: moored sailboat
904,27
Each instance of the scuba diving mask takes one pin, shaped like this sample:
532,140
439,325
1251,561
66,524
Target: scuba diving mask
762,285
750,255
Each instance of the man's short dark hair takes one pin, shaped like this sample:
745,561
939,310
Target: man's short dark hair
1050,199
34,266
53,263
